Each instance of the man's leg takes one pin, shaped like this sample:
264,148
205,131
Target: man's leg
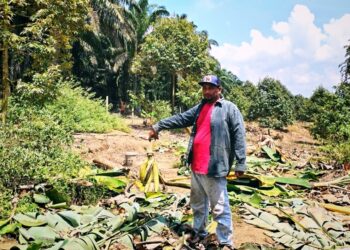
199,204
221,210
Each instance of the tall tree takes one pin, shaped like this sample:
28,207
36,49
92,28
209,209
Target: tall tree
174,50
144,16
273,106
36,35
345,66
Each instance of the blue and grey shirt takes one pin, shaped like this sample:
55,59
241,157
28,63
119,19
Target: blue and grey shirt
228,143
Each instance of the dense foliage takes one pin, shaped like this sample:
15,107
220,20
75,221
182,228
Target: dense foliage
273,105
174,50
332,113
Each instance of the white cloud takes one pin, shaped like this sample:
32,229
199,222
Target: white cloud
299,54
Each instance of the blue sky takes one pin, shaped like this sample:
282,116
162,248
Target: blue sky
301,43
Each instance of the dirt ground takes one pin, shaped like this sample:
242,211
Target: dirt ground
295,143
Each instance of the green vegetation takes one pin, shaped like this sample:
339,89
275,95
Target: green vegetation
34,140
273,105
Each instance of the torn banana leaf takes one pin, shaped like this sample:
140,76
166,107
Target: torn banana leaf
86,242
112,183
9,228
274,155
254,199
31,219
262,163
114,173
322,230
293,181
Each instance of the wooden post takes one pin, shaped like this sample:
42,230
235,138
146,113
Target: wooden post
107,103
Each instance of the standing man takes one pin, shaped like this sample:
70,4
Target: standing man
217,141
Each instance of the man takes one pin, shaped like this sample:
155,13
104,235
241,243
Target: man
217,140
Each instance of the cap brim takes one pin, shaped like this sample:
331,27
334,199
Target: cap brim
201,83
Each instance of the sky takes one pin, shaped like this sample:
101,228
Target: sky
300,43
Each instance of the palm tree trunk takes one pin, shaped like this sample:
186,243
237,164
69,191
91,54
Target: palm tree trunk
5,82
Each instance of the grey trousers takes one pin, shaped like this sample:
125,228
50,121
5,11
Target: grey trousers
211,191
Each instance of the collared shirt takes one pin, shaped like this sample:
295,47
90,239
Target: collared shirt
227,135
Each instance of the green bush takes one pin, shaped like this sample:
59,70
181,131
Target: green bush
157,110
340,152
79,111
273,105
35,141
153,110
331,114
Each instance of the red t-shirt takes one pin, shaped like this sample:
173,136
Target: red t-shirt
201,145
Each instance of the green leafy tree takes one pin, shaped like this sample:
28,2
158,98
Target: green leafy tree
35,36
302,108
273,105
332,113
243,96
174,50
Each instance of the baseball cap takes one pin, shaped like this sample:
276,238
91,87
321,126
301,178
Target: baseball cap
214,80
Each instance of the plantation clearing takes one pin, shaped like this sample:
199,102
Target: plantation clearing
296,144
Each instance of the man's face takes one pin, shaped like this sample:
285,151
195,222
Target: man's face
211,93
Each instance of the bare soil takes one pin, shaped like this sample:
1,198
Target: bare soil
295,143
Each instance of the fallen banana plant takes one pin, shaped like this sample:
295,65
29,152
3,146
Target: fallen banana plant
149,174
88,228
319,229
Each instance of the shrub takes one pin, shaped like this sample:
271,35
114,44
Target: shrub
332,114
79,111
35,140
272,106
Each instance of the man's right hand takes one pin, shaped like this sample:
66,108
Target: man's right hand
152,135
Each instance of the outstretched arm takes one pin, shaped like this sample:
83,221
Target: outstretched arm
182,120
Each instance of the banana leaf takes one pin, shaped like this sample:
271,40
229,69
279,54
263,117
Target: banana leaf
111,183
252,199
322,231
119,172
263,163
9,228
252,180
272,154
41,199
31,219
58,223
293,181
71,217
86,242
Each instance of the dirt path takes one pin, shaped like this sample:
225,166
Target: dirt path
296,144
